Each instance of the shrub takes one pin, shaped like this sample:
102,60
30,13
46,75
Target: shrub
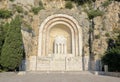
40,3
81,2
106,3
112,59
117,0
107,34
5,13
103,28
97,36
26,27
69,5
112,55
94,13
11,0
19,9
36,10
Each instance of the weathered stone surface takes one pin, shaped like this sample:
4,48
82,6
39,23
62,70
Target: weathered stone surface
3,4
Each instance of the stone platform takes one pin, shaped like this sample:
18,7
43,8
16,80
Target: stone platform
57,63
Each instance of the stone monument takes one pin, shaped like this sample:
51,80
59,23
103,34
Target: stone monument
59,45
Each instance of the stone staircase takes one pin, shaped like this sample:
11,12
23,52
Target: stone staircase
61,72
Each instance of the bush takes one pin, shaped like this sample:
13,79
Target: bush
117,0
11,0
112,59
69,5
5,13
103,28
106,3
12,51
112,55
107,34
36,10
97,36
19,9
94,13
40,3
27,27
81,2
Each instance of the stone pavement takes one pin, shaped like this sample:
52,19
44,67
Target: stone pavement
56,77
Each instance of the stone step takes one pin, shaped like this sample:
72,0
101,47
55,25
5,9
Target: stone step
61,72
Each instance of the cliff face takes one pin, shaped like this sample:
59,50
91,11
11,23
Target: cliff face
3,4
104,26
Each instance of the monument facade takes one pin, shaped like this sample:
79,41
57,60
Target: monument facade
59,45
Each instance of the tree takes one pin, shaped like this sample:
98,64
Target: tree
1,38
3,31
112,59
112,56
12,50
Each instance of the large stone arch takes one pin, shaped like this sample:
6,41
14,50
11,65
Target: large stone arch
69,30
67,20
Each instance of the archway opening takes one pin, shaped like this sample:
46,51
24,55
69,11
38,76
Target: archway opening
59,31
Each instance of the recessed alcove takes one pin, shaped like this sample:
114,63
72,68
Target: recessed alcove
60,30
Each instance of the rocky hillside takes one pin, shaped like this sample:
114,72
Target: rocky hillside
105,15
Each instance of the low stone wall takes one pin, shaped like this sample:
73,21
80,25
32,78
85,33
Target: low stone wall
114,74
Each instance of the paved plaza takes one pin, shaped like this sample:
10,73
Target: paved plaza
56,77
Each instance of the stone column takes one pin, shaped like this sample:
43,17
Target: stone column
65,49
55,47
62,49
58,48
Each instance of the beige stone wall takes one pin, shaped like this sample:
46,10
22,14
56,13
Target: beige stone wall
49,4
3,4
25,2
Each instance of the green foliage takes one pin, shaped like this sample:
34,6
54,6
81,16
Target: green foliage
81,2
12,49
117,0
26,27
107,34
69,5
5,13
118,41
91,30
112,56
40,3
116,30
19,9
11,0
97,36
112,59
103,28
106,3
36,10
94,13
1,37
3,31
